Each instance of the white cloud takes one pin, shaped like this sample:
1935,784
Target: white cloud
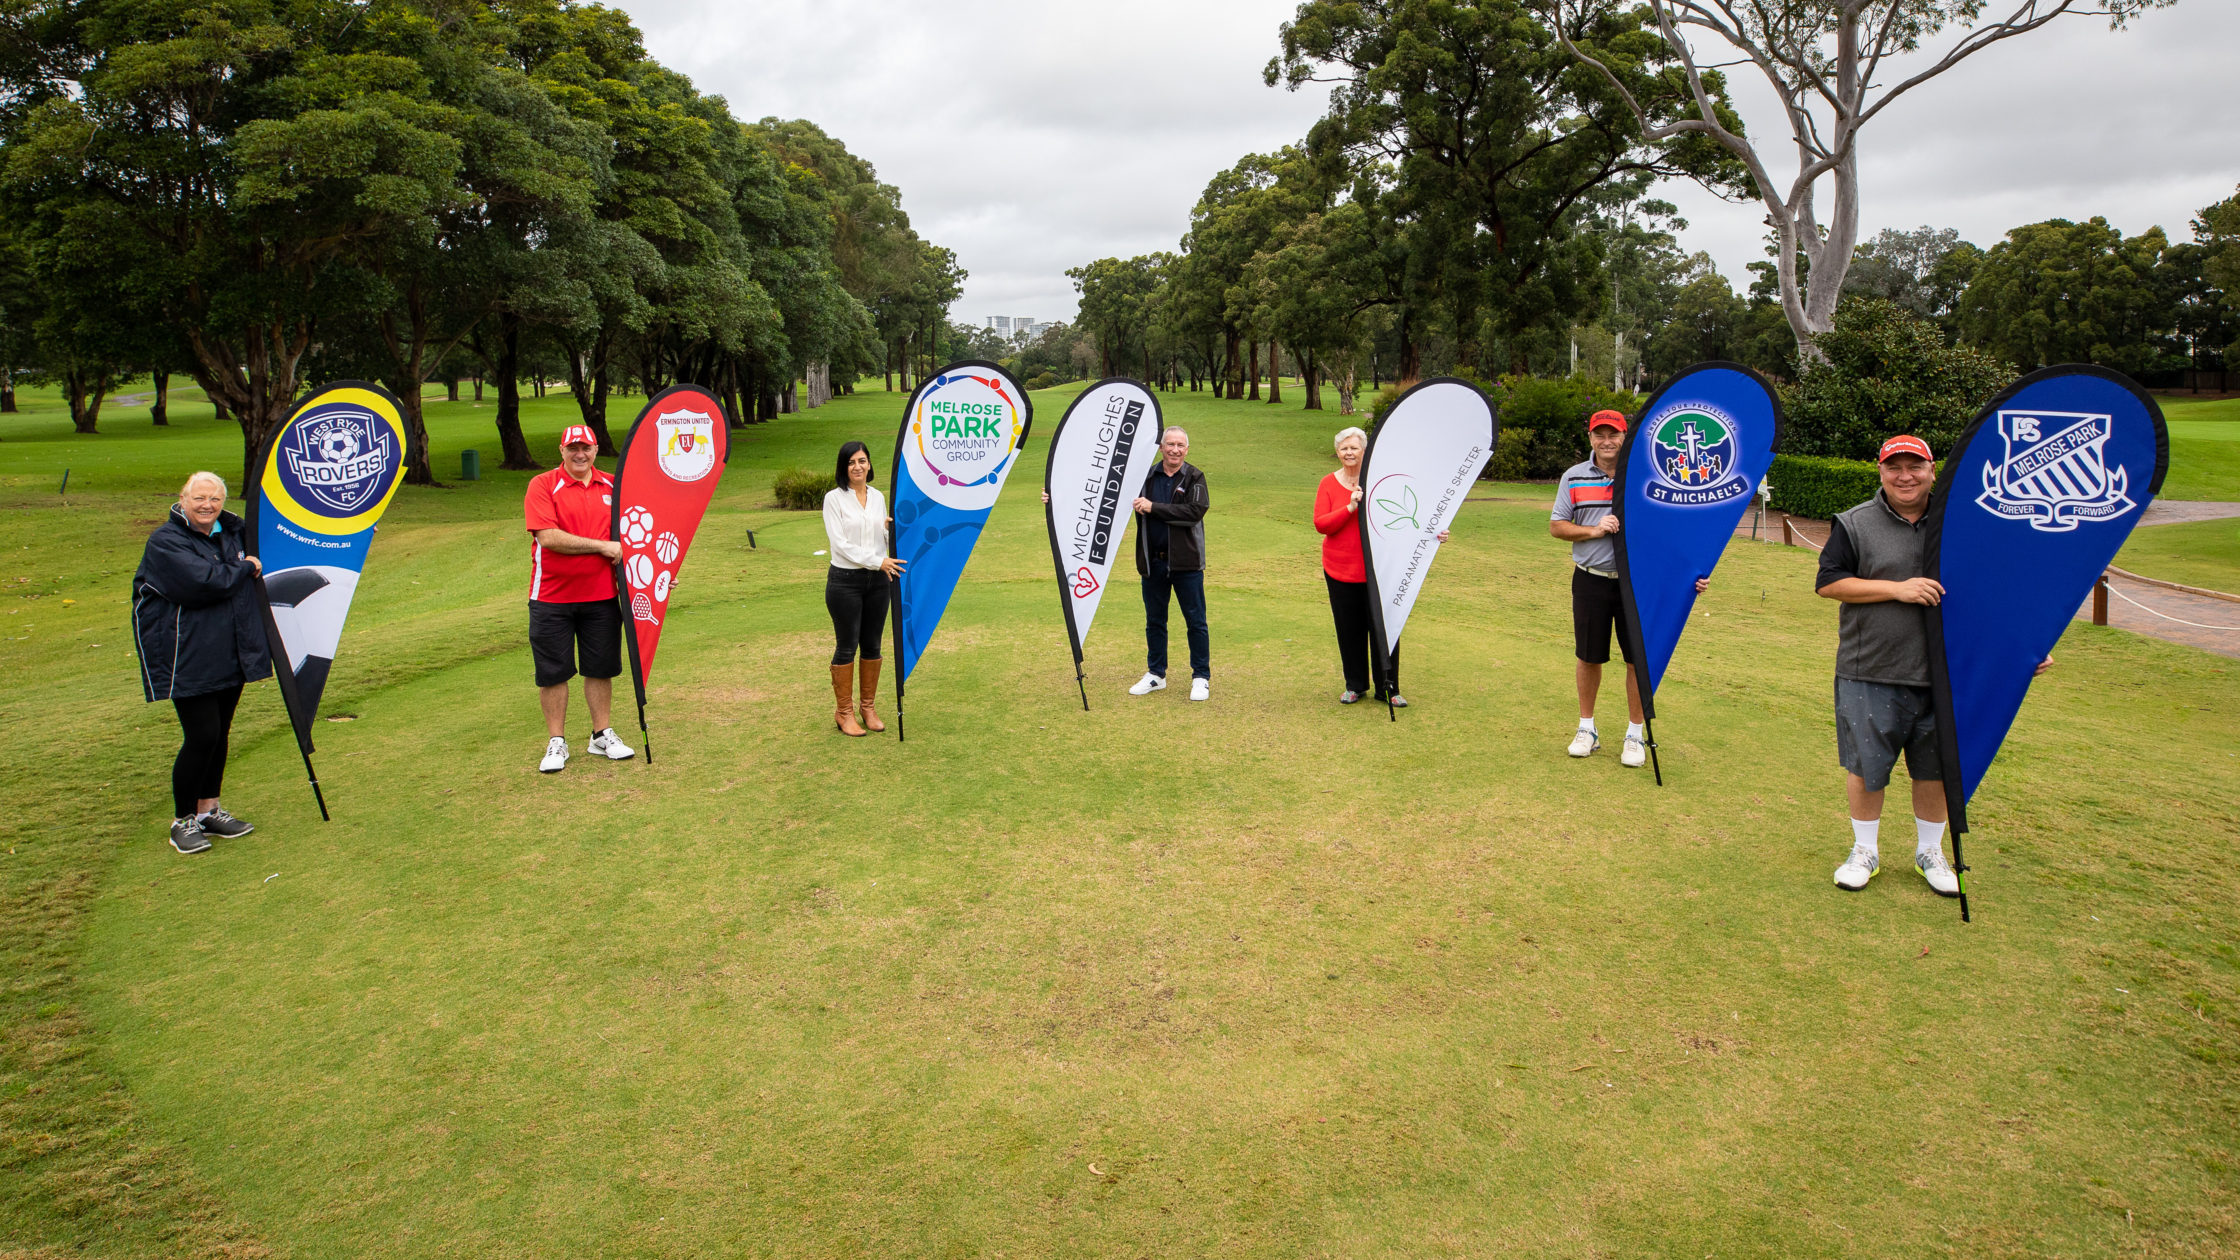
2139,126
1027,137
1034,137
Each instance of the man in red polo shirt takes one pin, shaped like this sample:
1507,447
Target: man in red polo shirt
574,622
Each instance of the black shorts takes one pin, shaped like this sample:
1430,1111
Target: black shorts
1596,608
566,637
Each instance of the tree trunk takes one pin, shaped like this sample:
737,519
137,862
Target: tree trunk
478,391
1346,384
451,389
1312,381
1252,370
159,409
730,399
1275,372
1233,362
511,444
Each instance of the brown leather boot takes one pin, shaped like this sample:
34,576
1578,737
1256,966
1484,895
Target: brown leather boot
870,674
844,706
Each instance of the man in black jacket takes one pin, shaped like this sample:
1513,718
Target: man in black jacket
1171,556
200,634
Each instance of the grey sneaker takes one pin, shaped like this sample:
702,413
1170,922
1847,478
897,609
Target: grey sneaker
187,837
1863,864
223,825
1943,881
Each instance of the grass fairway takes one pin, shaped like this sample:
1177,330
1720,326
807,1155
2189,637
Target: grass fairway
2204,448
1258,977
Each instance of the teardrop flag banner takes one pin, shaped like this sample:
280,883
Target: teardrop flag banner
323,481
666,475
1690,463
1415,473
960,438
1099,454
2030,508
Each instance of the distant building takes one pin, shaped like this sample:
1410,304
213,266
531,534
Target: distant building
1000,323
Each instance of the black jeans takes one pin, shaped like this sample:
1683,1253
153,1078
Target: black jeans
1189,591
200,768
1349,609
857,600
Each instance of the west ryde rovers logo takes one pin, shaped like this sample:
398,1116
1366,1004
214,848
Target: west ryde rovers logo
686,444
340,458
1693,453
2056,472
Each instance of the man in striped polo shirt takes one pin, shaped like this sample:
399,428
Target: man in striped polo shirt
1583,518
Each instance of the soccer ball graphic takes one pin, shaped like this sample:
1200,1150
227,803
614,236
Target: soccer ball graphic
637,526
661,588
338,444
640,567
666,548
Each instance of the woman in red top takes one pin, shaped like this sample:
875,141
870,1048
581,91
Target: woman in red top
1335,504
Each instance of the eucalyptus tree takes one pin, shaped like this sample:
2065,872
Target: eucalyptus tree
1488,141
1833,65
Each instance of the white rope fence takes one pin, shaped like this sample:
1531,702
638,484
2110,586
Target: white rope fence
2165,616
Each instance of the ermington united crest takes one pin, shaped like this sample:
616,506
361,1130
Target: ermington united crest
1693,453
2055,472
339,458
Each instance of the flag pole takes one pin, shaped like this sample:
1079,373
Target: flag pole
285,674
1080,680
1649,728
637,672
1960,875
901,665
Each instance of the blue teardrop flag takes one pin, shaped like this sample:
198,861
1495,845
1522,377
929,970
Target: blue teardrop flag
960,439
2030,508
1691,461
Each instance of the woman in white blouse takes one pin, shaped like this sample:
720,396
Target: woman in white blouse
855,588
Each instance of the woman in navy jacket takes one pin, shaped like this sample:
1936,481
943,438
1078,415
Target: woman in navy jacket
201,637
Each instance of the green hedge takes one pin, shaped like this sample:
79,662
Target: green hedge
1806,485
801,489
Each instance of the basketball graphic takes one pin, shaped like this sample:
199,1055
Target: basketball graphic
665,548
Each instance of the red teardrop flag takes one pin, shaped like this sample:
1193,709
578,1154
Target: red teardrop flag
668,472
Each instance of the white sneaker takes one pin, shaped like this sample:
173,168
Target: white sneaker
1635,753
1200,689
611,745
1584,743
1148,684
1943,880
1863,864
555,754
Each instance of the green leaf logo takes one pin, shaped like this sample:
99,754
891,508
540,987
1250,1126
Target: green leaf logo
1401,511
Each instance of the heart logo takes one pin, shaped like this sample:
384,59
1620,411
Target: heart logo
1084,583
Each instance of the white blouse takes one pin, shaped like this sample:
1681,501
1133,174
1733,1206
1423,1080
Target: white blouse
856,533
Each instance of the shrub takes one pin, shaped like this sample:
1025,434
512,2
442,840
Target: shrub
1553,413
1509,461
1886,372
1044,380
1807,485
802,489
1380,404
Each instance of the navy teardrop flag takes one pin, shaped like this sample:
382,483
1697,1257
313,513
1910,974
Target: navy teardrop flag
1691,461
2030,509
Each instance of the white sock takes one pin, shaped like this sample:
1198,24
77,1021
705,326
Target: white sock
1587,725
1928,836
1637,730
1867,835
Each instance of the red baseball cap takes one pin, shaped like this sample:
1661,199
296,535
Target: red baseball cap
1905,444
1612,419
576,434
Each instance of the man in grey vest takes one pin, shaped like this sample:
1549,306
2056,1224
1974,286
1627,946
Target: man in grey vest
1874,565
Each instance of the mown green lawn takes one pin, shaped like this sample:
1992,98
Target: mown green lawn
1263,976
2204,448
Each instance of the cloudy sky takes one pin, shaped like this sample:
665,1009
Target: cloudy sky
1033,137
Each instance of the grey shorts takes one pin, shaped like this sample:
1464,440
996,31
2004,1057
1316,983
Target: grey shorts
1874,721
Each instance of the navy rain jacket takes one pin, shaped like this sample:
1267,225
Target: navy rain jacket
195,617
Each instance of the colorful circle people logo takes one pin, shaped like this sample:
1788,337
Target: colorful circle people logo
1694,456
963,435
